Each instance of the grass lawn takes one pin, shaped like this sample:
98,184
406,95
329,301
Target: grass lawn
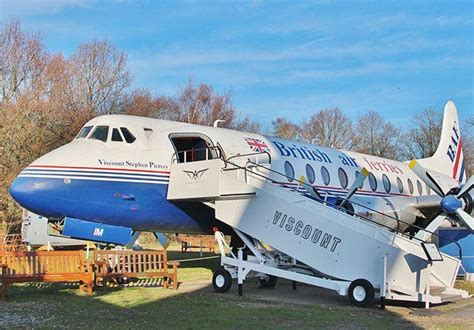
196,306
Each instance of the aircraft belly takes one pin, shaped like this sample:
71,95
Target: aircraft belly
142,206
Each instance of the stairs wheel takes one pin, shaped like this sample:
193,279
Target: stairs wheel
269,282
361,293
221,280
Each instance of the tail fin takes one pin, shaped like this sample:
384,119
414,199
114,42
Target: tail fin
448,158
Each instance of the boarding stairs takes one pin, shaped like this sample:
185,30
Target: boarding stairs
310,241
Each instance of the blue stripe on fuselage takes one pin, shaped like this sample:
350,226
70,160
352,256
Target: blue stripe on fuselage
101,201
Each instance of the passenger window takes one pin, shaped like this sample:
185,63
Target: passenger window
116,137
127,135
342,177
410,187
100,133
428,190
84,132
289,171
372,182
400,185
420,187
310,174
325,175
387,185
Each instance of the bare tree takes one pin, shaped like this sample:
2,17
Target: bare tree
202,105
376,136
467,132
22,60
99,78
330,128
285,129
422,140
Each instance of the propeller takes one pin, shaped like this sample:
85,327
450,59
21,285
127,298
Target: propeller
452,202
313,191
358,183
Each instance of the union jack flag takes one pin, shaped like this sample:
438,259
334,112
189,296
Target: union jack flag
257,145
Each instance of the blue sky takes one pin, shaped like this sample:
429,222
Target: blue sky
281,58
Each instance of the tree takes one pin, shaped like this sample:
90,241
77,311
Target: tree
329,128
285,129
376,136
467,133
202,105
22,60
422,140
100,78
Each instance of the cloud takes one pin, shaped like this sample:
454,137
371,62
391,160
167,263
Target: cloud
38,7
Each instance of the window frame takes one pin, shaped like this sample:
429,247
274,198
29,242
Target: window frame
325,173
312,177
373,182
387,184
122,128
87,134
341,171
90,137
286,166
400,186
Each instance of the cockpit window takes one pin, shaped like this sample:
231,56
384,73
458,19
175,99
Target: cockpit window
127,135
116,137
84,132
100,133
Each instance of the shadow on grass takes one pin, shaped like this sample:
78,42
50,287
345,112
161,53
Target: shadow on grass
194,305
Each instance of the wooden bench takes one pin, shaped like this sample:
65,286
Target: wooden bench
198,242
46,266
136,264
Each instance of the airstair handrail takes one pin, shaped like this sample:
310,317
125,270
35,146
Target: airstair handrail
266,153
344,210
175,155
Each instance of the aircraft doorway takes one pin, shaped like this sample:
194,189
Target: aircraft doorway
192,148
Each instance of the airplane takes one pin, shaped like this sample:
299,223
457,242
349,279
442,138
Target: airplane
123,175
116,172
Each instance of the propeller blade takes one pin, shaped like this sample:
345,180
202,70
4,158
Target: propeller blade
466,187
431,228
465,218
359,181
423,174
312,191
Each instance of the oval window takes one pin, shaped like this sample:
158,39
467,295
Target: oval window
420,187
400,185
289,171
343,177
310,174
428,190
410,187
386,183
325,175
372,182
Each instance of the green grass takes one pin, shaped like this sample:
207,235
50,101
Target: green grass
142,307
465,285
190,307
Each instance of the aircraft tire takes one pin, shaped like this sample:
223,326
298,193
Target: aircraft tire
268,283
221,280
361,293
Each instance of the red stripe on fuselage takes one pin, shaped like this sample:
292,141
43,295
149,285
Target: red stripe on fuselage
458,156
99,168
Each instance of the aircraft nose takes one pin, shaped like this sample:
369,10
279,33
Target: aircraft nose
22,191
34,194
